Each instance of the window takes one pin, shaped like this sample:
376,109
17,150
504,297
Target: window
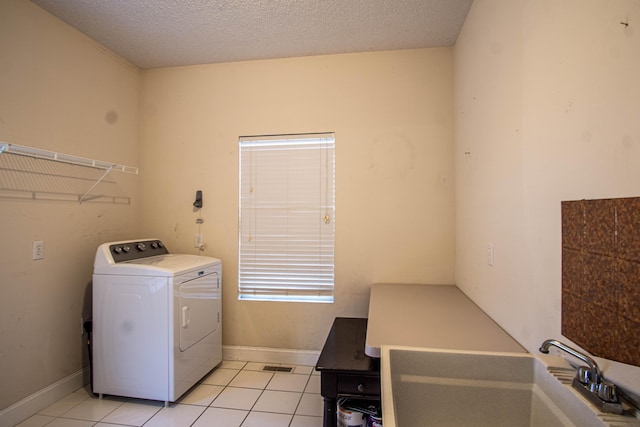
287,205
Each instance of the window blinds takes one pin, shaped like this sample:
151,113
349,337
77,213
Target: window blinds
287,205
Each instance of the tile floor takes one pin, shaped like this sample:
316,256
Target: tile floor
236,394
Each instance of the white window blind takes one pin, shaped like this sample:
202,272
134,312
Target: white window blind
287,206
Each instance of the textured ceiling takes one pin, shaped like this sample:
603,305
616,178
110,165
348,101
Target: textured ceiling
161,33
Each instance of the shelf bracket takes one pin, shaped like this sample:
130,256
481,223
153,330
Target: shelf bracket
104,175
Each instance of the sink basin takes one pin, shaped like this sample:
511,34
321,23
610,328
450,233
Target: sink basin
427,387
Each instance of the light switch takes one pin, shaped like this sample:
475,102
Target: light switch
38,249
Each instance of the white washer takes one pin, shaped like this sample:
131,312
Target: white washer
157,327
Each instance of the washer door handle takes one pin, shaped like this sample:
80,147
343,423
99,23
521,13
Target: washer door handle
186,318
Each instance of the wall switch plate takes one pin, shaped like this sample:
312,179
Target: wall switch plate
38,249
490,254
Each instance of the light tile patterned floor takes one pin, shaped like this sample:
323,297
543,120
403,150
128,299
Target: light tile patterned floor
236,394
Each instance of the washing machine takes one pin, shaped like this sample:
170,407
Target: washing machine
157,321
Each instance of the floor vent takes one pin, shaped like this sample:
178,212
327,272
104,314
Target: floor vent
277,368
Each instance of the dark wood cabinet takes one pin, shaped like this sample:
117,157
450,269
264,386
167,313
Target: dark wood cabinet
345,370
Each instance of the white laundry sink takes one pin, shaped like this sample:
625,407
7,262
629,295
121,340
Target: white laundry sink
427,387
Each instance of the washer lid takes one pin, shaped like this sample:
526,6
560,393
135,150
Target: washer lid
161,265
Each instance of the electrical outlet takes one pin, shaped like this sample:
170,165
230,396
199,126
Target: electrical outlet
38,249
197,240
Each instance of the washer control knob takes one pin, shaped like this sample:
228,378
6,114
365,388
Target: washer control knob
117,249
154,245
141,246
126,248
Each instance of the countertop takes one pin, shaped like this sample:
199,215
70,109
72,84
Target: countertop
433,316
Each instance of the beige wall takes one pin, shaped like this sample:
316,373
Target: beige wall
392,116
59,91
547,102
545,107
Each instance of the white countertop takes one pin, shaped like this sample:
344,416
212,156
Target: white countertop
433,316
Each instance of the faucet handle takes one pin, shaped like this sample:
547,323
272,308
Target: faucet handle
584,375
588,377
607,391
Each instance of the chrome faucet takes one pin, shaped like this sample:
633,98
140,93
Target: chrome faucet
596,374
589,380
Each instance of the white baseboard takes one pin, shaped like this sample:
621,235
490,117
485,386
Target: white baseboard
271,355
39,400
31,405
